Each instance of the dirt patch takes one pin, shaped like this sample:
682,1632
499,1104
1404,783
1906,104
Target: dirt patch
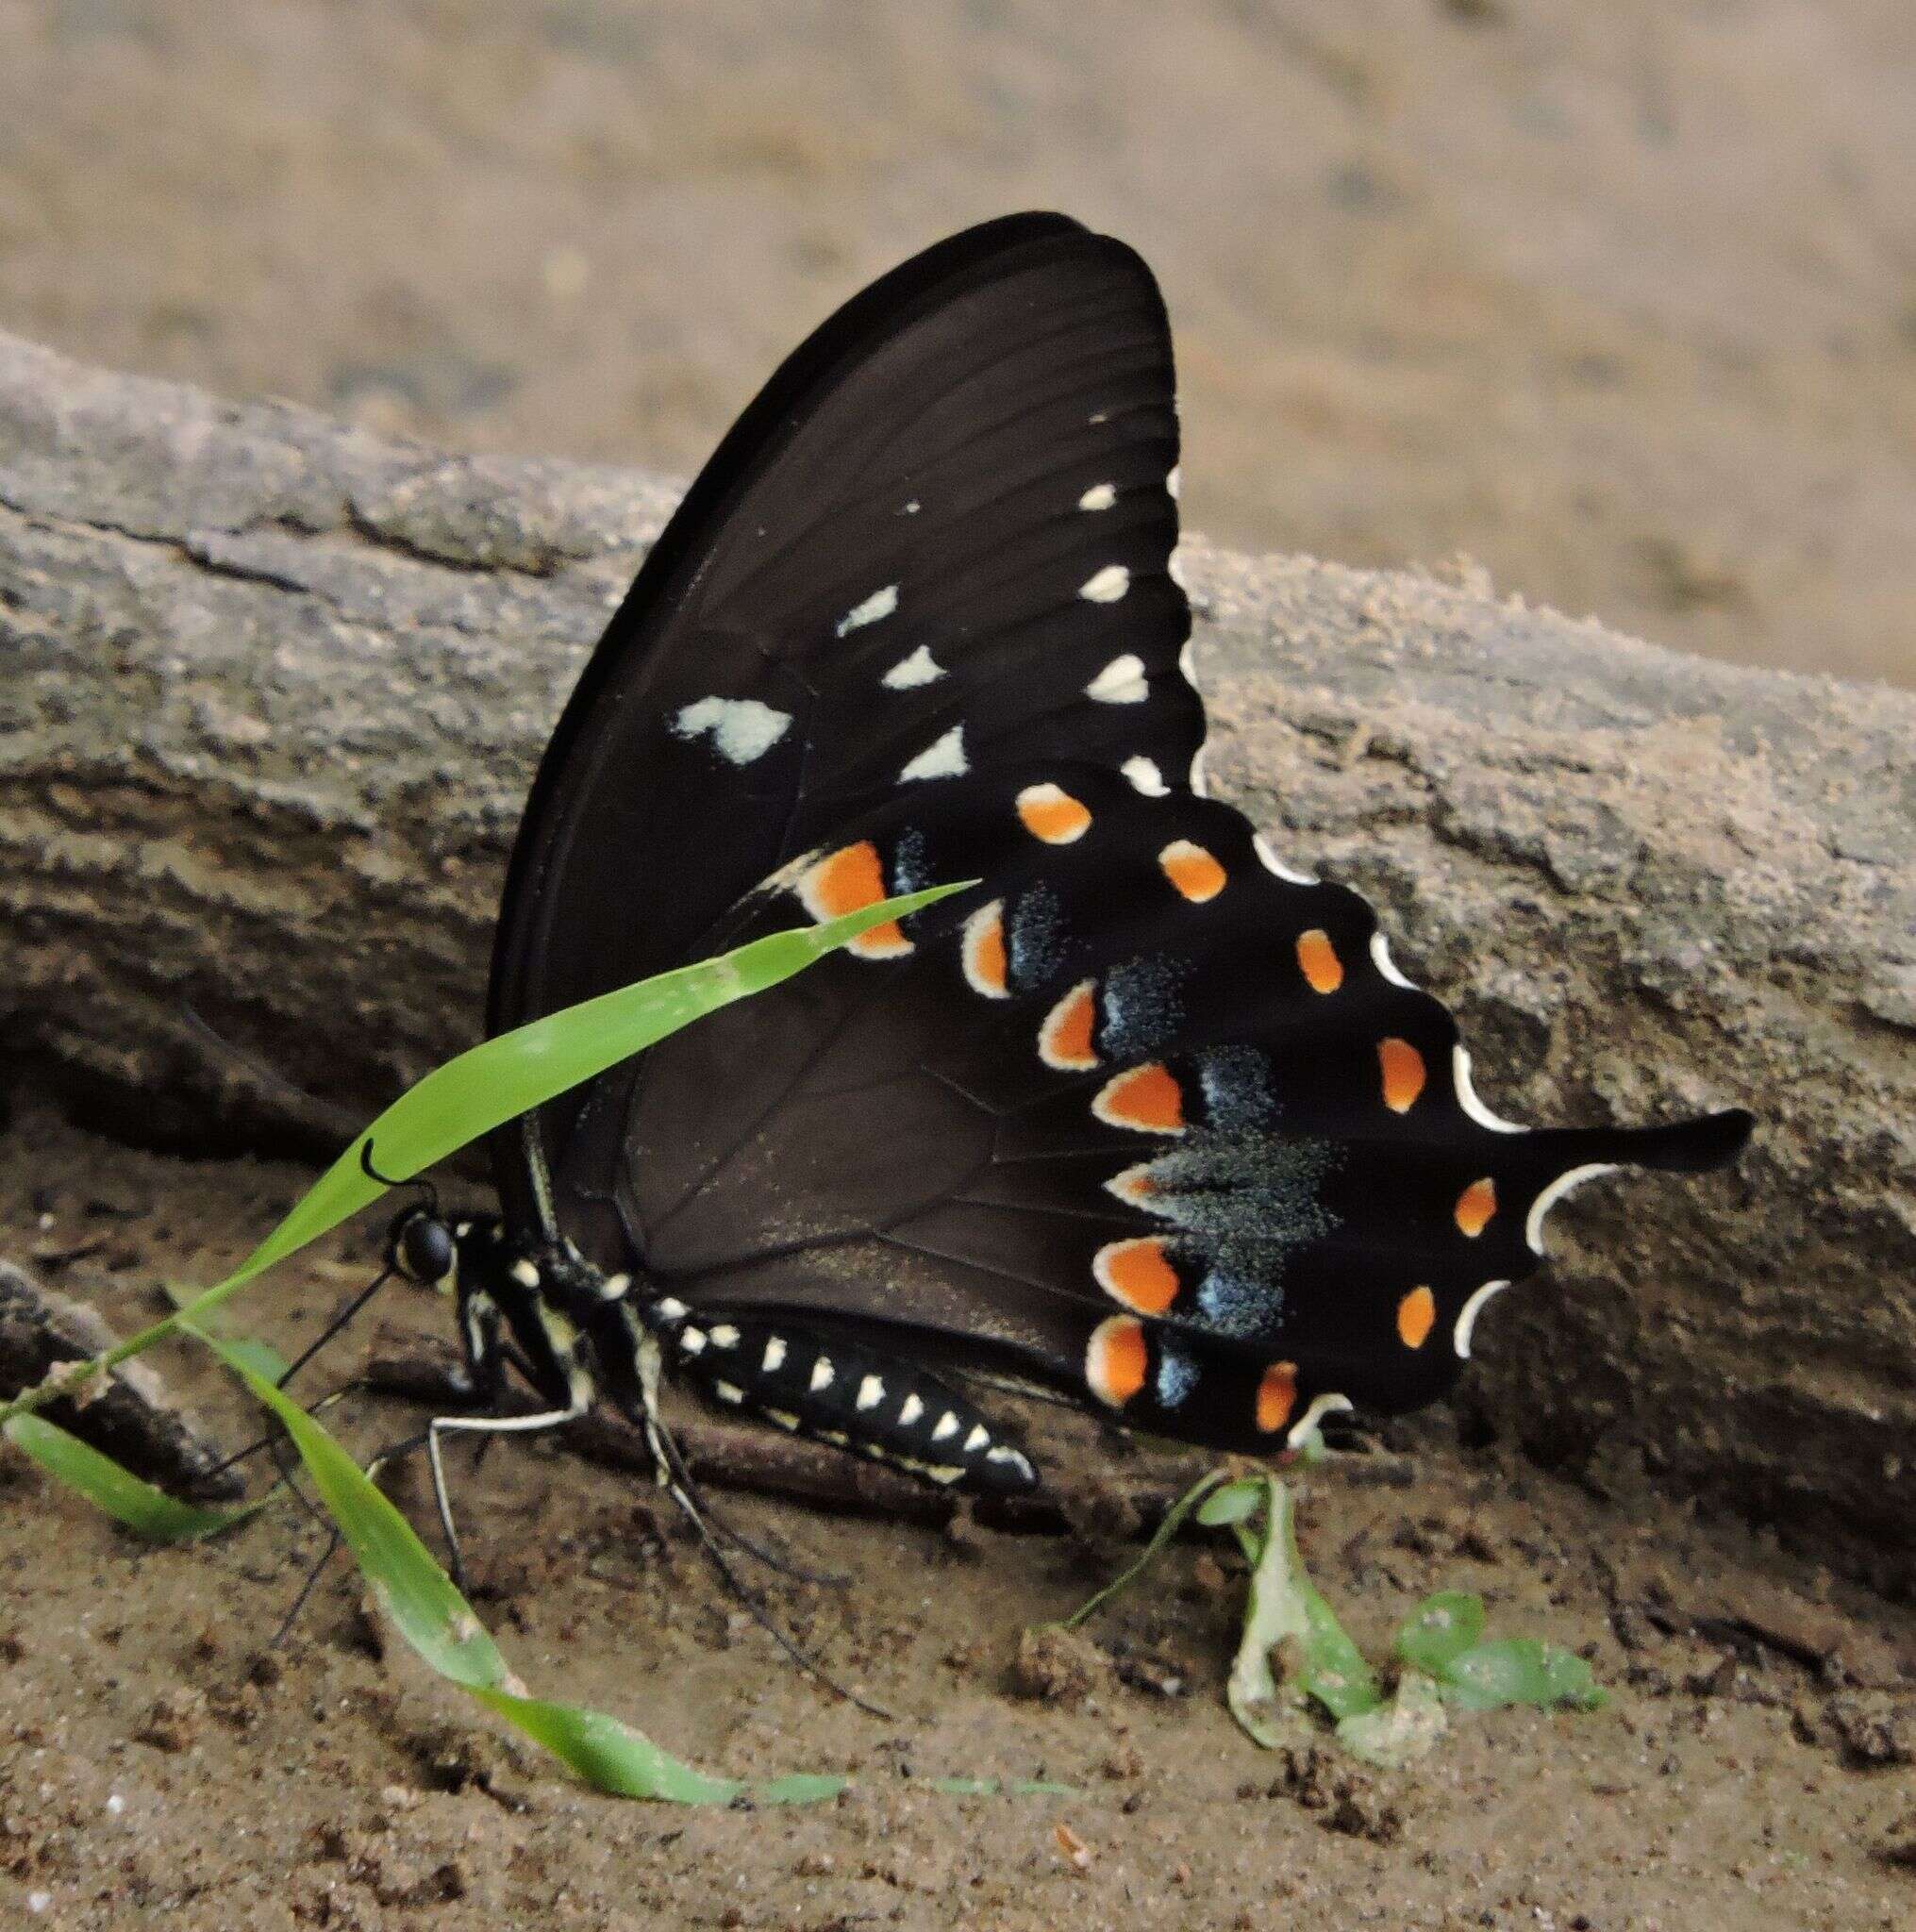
159,1761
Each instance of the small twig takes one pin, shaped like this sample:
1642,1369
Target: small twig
131,1415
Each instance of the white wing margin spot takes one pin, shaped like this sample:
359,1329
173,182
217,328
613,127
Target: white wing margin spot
879,604
1467,1099
1467,1317
1533,1225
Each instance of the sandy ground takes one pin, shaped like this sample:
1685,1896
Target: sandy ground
1619,299
160,1764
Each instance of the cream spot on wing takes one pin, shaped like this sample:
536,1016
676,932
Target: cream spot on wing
879,604
1197,781
725,1335
1272,864
1144,776
692,1340
742,729
1121,682
947,1426
911,1409
921,667
821,1375
1099,496
1106,586
728,1391
1306,1425
525,1273
1533,1223
1174,571
1467,1318
946,758
870,1392
1171,483
773,1356
1381,959
1467,1097
912,509
977,1440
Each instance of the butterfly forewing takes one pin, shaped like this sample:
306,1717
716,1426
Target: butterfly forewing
902,569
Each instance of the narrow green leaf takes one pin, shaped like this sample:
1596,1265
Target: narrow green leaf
1439,1630
260,1356
501,1079
122,1494
1161,1536
1520,1670
438,1623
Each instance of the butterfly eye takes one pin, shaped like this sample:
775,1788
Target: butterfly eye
423,1247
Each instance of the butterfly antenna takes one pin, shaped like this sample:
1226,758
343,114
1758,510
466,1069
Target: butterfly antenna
334,1540
428,1194
679,1486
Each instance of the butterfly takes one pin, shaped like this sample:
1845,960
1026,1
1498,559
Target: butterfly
1147,1118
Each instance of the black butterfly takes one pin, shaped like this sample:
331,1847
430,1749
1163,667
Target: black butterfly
1146,1117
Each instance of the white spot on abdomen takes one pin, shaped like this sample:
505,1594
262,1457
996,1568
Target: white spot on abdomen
879,604
909,673
742,729
1099,496
1121,682
1106,585
946,758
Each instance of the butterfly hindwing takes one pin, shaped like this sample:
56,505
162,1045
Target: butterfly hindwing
1136,1110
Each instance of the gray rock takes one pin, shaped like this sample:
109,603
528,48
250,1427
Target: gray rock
274,688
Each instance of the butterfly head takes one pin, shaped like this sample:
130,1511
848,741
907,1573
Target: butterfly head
424,1249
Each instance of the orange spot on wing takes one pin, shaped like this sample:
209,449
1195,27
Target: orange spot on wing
1116,1359
1416,1316
1193,871
987,969
1317,958
1475,1206
848,880
1064,1041
1051,813
1403,1074
1147,1098
1134,1184
1276,1396
1139,1274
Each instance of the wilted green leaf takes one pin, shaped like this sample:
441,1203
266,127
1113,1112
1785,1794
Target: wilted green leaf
1520,1670
1439,1630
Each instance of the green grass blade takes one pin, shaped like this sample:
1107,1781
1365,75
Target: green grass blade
501,1079
438,1623
1161,1536
122,1494
260,1356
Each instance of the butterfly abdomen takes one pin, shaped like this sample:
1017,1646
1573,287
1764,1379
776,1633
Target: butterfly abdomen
842,1393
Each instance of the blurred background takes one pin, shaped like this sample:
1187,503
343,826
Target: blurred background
1620,300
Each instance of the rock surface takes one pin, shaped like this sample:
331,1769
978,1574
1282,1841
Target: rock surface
273,690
